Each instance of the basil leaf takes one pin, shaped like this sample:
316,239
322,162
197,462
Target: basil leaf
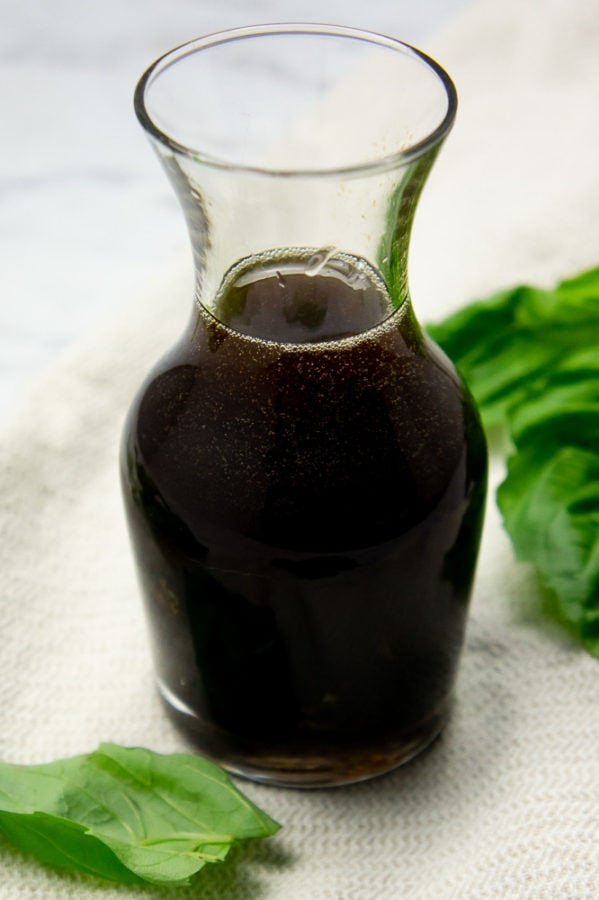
562,407
502,345
531,358
555,524
127,814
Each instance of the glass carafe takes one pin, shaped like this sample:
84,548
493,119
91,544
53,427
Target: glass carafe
304,472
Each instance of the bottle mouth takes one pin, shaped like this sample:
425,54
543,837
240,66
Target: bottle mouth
297,100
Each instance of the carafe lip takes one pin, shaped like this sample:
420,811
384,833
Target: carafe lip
399,158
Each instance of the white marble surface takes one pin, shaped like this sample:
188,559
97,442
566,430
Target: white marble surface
86,214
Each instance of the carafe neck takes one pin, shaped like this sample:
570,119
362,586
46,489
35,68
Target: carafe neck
234,217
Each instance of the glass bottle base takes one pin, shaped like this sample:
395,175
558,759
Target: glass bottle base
317,766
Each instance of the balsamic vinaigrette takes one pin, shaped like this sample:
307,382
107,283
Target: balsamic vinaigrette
304,478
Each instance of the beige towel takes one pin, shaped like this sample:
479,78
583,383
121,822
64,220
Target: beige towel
506,804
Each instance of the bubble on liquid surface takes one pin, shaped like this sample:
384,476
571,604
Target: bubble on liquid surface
318,260
358,280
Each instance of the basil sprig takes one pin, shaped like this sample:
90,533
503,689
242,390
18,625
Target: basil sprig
531,359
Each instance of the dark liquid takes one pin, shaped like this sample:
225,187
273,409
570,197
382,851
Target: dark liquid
306,513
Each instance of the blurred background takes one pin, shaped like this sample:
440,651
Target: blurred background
86,214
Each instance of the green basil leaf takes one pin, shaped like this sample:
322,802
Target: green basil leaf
562,407
554,522
531,358
502,345
127,814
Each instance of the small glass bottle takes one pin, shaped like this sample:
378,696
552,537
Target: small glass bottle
304,472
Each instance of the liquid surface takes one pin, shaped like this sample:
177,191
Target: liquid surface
305,500
307,299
